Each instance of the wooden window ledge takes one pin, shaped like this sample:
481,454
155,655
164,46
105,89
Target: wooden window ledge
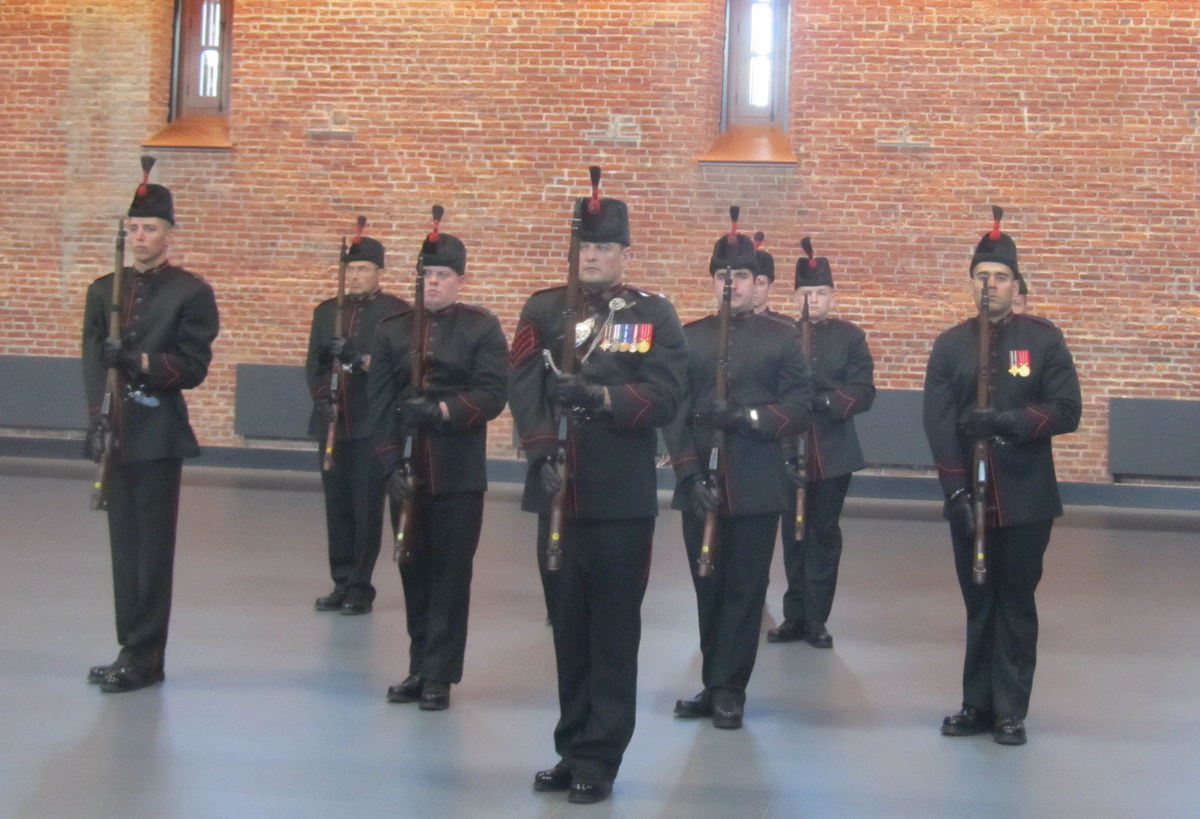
193,131
763,144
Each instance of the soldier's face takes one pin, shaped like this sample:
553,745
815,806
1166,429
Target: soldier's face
762,292
601,264
1002,287
362,278
148,238
441,287
741,296
820,302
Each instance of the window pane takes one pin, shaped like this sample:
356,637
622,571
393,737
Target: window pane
760,82
762,28
210,24
210,73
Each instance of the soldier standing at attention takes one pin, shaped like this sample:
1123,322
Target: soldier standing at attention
1034,395
463,370
168,320
353,482
843,380
630,377
767,401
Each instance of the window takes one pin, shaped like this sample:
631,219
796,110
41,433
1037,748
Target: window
756,51
200,71
754,104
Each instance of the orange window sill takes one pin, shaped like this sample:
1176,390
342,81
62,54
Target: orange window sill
763,144
194,131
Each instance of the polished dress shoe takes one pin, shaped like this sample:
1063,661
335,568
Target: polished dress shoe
817,637
698,706
353,607
435,696
407,691
587,792
968,722
97,673
1009,730
557,778
330,602
122,678
727,712
789,631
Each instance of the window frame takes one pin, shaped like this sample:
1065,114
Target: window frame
735,110
185,64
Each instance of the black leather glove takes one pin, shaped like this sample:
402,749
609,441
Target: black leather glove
723,415
550,476
823,403
573,391
959,510
341,348
94,443
984,422
116,354
421,412
400,486
791,468
703,497
324,408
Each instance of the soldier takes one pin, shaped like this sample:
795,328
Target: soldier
632,361
769,392
1034,396
766,274
353,483
463,370
1021,300
169,320
842,371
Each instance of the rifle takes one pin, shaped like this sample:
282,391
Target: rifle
416,350
706,560
567,365
110,408
334,375
802,438
983,397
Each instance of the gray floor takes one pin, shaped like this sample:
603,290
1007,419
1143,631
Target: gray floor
273,710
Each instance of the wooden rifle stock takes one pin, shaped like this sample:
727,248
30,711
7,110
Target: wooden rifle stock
110,409
706,560
416,350
980,465
802,438
335,365
567,365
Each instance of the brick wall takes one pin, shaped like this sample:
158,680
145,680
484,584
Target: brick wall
1081,118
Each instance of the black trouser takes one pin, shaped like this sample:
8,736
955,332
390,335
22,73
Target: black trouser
596,614
353,516
443,537
1002,621
143,510
811,564
730,601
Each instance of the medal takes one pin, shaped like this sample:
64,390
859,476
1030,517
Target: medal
1018,363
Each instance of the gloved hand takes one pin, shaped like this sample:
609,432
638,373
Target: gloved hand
703,497
324,409
341,348
116,354
720,414
791,468
400,486
984,422
421,412
94,443
550,476
959,510
573,391
822,403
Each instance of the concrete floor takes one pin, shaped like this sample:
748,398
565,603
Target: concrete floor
273,710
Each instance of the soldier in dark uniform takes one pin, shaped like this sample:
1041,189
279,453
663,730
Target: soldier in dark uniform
769,392
632,361
842,371
169,320
464,381
765,279
354,485
1034,396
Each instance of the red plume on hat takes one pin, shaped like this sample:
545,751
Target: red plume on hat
996,246
811,270
442,249
359,226
601,220
733,250
806,246
147,164
438,212
594,204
